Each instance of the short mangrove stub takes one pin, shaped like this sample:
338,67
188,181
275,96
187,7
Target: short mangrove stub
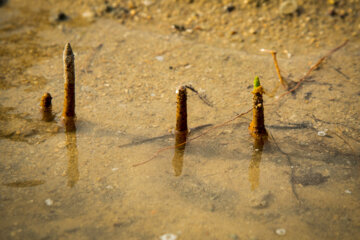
257,125
46,108
69,76
181,110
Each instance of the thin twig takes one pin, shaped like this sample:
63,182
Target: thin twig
346,142
273,53
201,96
193,138
315,66
134,143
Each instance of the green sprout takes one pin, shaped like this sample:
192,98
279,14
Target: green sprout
256,82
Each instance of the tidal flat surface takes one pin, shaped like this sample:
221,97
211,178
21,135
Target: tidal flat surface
303,183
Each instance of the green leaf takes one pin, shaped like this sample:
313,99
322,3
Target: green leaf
256,82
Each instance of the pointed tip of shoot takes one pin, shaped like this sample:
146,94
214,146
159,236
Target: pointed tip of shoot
68,50
256,82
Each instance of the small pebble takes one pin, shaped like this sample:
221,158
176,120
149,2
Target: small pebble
147,3
332,11
321,133
234,237
109,9
229,8
288,7
114,169
159,58
132,12
88,14
61,17
288,54
280,231
179,28
347,191
49,202
168,236
252,31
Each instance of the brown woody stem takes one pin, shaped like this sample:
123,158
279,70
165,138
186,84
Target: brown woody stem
69,76
181,110
68,114
257,125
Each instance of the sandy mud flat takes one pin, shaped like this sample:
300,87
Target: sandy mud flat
119,176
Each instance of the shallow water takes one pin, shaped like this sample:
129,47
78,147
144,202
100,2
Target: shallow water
305,180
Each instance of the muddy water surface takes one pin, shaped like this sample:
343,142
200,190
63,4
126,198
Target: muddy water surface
301,184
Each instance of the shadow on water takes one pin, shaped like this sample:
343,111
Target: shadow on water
254,166
72,153
178,159
25,183
162,137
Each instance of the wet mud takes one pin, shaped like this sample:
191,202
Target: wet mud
124,172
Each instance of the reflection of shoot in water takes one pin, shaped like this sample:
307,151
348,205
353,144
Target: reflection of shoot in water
254,166
72,152
315,66
178,159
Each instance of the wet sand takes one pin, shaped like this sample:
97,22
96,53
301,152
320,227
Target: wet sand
129,61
